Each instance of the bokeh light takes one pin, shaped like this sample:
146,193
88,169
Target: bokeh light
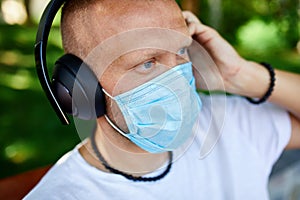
14,12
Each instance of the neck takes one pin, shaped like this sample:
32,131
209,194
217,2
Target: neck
120,153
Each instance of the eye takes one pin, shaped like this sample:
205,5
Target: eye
182,51
146,66
149,64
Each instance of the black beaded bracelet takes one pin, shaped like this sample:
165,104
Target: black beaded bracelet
271,87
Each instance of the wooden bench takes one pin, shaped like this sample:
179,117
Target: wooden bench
17,186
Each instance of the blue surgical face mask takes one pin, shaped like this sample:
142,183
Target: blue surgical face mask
160,114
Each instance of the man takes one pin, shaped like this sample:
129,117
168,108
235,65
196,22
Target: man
125,160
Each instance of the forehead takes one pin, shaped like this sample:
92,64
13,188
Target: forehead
110,17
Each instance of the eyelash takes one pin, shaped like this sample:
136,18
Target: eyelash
144,67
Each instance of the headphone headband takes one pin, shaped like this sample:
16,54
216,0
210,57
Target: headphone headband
74,89
40,55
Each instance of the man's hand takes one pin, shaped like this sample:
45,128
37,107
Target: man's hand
223,54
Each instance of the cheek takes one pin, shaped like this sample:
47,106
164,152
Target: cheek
132,79
115,84
127,82
116,81
109,80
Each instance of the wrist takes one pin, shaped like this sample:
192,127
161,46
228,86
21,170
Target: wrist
270,88
252,80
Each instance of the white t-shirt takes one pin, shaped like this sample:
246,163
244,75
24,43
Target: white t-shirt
238,166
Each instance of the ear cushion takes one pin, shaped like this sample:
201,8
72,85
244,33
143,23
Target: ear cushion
77,89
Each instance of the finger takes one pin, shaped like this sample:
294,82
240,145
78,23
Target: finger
192,28
190,17
195,28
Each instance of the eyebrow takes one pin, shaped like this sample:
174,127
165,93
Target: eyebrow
130,59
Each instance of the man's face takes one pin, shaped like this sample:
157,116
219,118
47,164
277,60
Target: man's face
146,38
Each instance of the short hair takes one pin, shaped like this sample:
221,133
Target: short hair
75,27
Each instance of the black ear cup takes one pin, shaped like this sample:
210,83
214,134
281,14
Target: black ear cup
77,89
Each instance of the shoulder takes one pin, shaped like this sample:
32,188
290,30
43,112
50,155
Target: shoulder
62,180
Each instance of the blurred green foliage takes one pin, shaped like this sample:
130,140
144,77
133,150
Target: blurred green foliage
236,13
31,134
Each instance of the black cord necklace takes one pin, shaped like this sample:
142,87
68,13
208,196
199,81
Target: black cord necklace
129,176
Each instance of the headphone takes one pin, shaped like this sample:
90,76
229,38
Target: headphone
69,92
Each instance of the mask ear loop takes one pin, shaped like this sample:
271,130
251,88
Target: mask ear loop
109,121
107,94
115,126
